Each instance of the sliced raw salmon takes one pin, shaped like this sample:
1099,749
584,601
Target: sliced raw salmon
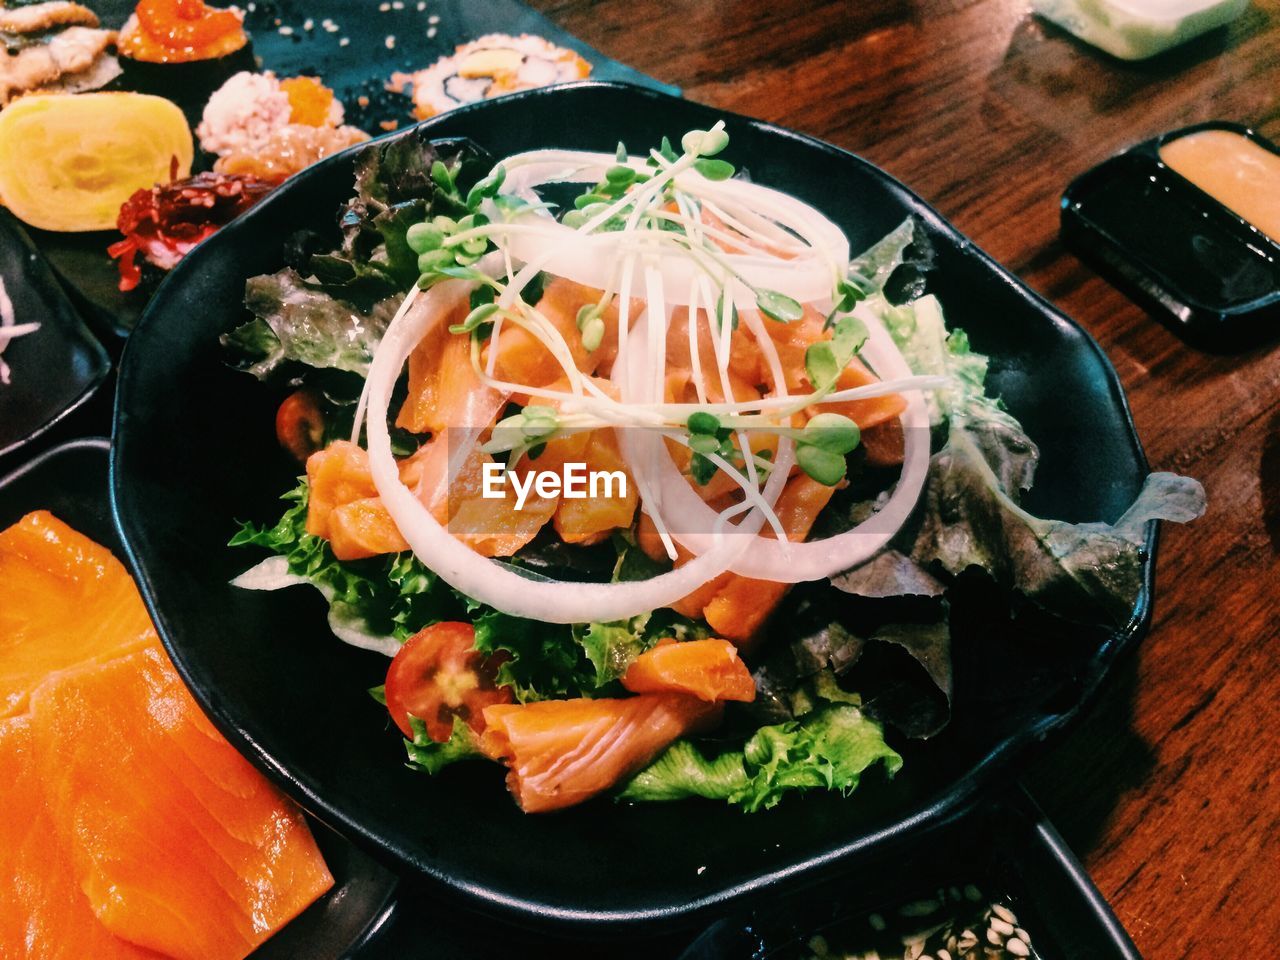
710,670
177,842
64,602
562,752
44,915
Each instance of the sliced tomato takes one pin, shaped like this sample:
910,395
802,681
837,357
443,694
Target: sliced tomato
438,675
300,424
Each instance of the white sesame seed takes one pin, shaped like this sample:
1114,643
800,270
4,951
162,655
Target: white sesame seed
1018,948
397,5
701,870
344,41
286,31
1002,927
251,7
308,24
431,32
993,937
391,42
384,7
1004,913
421,5
433,19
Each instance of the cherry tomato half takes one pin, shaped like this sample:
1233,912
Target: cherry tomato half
438,675
300,424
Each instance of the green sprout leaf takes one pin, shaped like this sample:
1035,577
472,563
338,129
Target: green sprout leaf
715,169
778,306
701,422
422,237
822,465
476,317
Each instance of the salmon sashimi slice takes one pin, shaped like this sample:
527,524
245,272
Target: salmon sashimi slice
64,602
524,359
562,752
868,413
741,605
710,670
179,845
364,528
44,915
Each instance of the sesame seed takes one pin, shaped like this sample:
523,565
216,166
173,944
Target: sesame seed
344,41
251,7
384,7
397,5
433,19
431,32
308,24
421,5
1018,948
1002,927
1004,913
993,937
391,42
286,31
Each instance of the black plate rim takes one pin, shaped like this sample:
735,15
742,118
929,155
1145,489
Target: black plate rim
79,331
958,800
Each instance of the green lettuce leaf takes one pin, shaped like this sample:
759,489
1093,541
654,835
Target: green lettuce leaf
295,320
611,647
427,755
828,749
970,516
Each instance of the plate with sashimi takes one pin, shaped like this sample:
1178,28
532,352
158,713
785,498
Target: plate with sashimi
130,829
608,507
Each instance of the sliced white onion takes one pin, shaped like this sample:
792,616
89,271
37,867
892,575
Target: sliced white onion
589,258
461,567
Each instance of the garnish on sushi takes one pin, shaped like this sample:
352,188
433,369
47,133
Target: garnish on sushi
260,126
761,414
181,31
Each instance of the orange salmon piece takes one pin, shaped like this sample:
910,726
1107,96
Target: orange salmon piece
364,528
741,605
710,670
44,914
592,519
336,475
562,752
65,602
178,844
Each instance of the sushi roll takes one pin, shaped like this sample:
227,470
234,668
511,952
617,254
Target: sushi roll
488,67
183,49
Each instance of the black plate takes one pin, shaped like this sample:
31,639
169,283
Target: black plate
70,481
53,370
195,449
360,69
1010,851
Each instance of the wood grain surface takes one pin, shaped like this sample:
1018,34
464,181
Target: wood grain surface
1169,791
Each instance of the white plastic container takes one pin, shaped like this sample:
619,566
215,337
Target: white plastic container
1137,29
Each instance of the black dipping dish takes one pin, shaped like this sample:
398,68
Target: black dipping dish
1194,263
1008,852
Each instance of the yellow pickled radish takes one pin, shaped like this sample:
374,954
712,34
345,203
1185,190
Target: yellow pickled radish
68,162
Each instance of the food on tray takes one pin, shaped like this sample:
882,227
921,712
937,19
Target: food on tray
68,162
488,67
270,129
181,31
128,827
759,412
54,47
957,922
163,224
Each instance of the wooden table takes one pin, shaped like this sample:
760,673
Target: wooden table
1169,791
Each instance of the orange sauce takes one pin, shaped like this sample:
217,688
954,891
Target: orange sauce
1237,172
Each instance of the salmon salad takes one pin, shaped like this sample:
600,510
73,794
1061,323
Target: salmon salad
647,484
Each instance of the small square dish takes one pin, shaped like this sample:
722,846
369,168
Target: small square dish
1189,253
1000,883
1138,29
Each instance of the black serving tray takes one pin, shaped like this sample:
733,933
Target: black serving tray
1010,851
1174,249
195,451
70,481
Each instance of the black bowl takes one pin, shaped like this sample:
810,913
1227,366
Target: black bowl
195,450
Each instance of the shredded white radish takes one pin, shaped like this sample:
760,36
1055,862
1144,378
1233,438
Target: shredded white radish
10,329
